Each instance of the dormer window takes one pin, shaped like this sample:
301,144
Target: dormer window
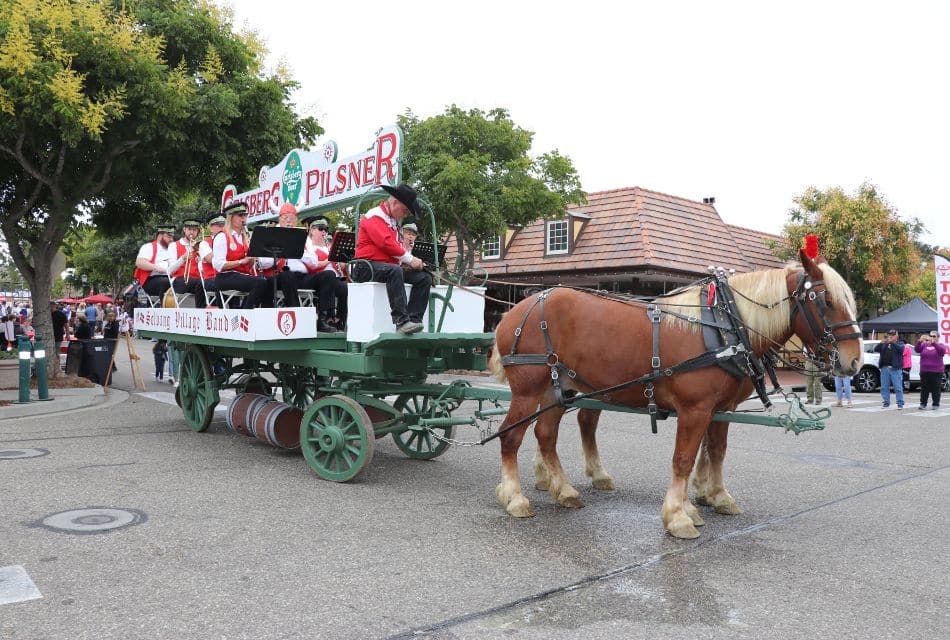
556,237
491,248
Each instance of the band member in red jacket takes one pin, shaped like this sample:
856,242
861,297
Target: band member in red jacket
379,244
236,270
156,260
187,279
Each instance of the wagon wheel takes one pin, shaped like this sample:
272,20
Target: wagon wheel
299,386
336,436
421,444
197,391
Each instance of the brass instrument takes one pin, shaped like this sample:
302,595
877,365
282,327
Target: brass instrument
192,254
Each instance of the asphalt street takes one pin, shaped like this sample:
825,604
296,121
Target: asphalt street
224,537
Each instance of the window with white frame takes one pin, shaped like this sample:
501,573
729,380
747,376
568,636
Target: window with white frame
556,241
491,248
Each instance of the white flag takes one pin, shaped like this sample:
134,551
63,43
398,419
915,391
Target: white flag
942,273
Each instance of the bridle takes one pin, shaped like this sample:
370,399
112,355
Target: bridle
822,331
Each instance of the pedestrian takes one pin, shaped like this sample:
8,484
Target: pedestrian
9,331
160,351
891,365
931,352
82,330
813,377
174,363
843,390
59,323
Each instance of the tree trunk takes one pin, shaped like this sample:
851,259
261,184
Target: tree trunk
40,286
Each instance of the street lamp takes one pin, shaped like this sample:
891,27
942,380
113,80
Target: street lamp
84,279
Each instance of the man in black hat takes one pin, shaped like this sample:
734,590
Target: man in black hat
156,260
379,244
187,279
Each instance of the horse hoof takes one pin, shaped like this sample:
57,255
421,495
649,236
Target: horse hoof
604,484
684,530
728,509
693,514
520,508
542,485
571,502
703,500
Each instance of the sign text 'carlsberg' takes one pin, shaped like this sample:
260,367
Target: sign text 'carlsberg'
316,179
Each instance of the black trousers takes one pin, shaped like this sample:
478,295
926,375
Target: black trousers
395,278
323,284
254,286
156,285
930,385
193,286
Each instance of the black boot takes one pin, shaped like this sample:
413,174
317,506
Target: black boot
322,325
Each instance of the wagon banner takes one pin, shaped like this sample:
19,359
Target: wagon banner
231,324
942,273
316,180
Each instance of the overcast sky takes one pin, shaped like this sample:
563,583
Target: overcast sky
749,102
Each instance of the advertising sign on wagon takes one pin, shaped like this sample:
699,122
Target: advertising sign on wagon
231,324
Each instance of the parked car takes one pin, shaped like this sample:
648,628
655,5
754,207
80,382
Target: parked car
868,379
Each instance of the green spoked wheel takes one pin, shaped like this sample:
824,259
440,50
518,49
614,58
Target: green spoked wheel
197,391
336,437
298,385
421,445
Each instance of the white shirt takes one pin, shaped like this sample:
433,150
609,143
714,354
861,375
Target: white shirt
124,322
164,257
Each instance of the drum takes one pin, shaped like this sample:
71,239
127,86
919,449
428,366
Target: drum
278,424
243,410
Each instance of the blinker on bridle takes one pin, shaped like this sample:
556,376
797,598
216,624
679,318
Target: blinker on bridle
821,329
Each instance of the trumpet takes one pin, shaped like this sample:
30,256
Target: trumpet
192,248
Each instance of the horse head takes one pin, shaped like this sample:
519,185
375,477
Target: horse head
823,315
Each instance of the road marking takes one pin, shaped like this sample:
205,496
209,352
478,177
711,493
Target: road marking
16,585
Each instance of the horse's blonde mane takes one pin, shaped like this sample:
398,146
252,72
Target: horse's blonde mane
762,287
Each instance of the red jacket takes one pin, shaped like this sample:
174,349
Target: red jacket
378,239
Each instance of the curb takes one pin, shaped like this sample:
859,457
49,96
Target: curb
64,401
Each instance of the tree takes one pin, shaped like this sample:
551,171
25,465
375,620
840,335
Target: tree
474,169
864,239
110,109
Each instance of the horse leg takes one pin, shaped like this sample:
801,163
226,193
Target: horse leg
552,473
509,489
587,419
676,506
707,480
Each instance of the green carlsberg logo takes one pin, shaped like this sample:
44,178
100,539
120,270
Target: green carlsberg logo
292,179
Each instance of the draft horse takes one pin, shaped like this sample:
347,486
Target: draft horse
608,341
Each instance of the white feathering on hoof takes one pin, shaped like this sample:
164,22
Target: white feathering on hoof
494,364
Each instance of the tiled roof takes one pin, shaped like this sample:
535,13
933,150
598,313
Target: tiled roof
638,229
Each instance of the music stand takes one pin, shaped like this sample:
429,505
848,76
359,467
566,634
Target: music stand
425,251
343,247
277,242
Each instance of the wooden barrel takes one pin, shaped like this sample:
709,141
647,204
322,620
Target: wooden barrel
242,411
278,424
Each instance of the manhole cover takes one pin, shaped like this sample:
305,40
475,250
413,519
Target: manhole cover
92,520
19,454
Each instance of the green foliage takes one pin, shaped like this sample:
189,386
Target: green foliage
864,239
112,109
474,168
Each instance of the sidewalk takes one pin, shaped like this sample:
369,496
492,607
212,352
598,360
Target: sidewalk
62,400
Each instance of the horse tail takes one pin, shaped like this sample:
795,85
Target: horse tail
494,364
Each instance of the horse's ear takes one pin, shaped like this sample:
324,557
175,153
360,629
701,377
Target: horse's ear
811,266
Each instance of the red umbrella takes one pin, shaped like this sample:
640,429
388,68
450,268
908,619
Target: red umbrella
98,298
70,300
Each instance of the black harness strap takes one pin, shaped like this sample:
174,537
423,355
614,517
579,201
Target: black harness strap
655,314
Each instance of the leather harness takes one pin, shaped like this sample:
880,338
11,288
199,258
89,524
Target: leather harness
725,336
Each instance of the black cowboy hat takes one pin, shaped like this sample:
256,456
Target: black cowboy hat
406,195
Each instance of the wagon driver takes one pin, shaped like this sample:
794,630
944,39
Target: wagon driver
380,246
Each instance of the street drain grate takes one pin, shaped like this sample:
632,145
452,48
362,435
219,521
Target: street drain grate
91,520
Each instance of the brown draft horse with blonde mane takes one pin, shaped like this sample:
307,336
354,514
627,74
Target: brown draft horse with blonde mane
607,342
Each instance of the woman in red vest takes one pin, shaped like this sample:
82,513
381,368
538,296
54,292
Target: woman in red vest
324,276
235,269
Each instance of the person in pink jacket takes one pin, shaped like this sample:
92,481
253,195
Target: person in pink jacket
931,352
